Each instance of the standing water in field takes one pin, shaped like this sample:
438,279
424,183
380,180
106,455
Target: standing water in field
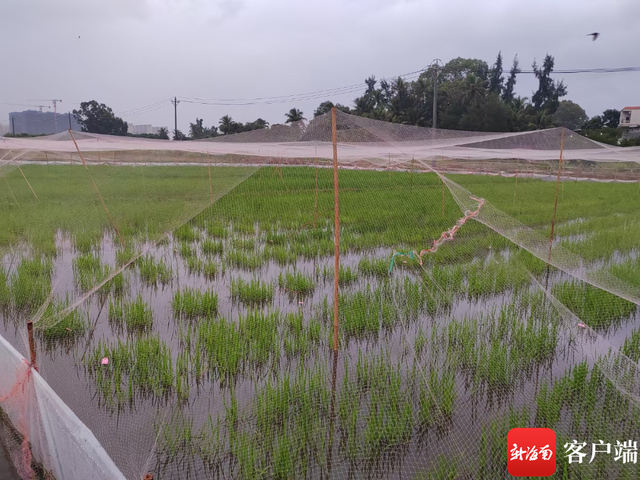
184,315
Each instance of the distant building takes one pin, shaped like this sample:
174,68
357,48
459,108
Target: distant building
630,121
143,129
41,123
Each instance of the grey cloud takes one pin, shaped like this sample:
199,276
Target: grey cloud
137,52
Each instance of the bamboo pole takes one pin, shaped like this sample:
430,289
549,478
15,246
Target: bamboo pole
16,200
25,179
334,134
555,207
95,187
32,344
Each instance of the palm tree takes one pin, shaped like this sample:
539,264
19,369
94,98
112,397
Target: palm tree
476,90
294,115
226,124
163,133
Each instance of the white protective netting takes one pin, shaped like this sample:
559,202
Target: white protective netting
182,295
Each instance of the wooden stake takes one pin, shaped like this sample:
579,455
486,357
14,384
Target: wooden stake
315,212
32,344
555,207
412,159
332,410
95,187
334,134
442,197
210,185
516,187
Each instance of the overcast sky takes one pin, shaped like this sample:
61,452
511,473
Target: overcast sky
134,53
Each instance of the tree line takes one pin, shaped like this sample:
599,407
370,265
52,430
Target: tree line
471,95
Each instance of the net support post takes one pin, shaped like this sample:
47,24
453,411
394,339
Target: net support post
32,344
334,135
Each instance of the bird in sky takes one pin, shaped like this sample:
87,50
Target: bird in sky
595,35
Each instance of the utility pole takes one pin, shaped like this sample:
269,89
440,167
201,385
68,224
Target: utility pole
13,125
69,120
175,102
435,92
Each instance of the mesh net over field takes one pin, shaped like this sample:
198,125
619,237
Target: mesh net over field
182,301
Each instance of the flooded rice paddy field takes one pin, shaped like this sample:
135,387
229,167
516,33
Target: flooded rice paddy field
219,336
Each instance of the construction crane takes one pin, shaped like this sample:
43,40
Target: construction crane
25,105
55,110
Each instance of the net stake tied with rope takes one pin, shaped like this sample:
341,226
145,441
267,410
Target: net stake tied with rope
446,236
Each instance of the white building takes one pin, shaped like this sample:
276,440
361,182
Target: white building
143,129
630,117
630,122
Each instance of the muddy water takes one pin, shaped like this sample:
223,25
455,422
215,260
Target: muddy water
128,434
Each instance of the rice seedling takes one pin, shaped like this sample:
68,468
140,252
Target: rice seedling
296,283
228,348
346,275
89,271
70,326
137,314
5,293
595,307
244,228
445,469
437,397
136,367
374,267
153,271
628,271
282,255
210,269
631,347
185,233
118,284
116,310
124,255
222,345
85,242
241,259
253,292
182,377
31,284
216,230
298,339
195,303
194,264
176,436
243,243
187,251
212,247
